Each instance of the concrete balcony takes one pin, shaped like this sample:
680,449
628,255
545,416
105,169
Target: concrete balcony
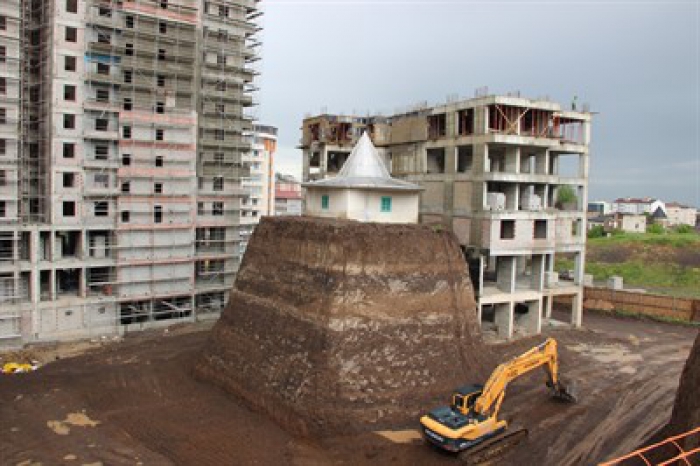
110,134
539,178
104,21
100,190
101,163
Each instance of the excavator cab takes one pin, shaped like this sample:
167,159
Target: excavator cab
464,398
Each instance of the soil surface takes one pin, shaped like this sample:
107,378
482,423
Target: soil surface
136,402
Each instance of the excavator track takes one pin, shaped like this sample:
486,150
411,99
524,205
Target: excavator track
492,448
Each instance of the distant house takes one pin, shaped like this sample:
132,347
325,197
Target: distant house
630,205
598,208
629,223
679,214
288,196
364,191
596,221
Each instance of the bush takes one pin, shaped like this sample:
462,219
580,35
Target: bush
566,195
655,229
596,232
684,229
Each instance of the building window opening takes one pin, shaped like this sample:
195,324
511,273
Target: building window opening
507,229
540,229
465,122
437,126
465,159
386,203
436,160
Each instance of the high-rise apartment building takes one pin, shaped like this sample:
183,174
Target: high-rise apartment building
508,175
123,148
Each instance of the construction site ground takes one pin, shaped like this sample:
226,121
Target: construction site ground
134,401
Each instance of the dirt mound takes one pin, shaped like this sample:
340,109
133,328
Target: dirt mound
686,410
338,326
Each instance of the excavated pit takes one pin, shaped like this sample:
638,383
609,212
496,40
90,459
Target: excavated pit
339,326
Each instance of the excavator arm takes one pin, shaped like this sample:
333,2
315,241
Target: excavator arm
544,355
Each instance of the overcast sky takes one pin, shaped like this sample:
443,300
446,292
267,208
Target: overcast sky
636,62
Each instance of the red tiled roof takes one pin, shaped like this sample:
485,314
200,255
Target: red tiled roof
632,200
677,204
287,194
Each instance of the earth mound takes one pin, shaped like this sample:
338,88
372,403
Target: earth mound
686,410
339,326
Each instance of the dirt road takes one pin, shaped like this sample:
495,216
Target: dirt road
135,402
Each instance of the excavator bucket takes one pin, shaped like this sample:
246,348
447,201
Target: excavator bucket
565,392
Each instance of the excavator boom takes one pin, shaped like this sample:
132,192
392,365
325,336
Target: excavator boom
544,355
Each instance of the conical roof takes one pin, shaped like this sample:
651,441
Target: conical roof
364,169
659,213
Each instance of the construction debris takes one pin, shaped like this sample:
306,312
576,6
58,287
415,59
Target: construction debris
19,367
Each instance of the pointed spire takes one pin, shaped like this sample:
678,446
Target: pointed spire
364,161
364,169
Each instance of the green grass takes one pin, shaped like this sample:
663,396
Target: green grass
676,240
666,277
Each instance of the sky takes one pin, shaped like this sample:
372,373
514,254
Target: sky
637,63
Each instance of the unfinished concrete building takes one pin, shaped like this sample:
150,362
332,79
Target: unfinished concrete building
494,170
124,146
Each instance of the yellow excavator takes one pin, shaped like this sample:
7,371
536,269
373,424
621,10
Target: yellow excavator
471,421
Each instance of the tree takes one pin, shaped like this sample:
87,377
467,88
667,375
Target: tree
565,196
596,232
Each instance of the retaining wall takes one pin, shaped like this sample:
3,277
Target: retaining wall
652,305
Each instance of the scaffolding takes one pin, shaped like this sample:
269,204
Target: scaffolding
36,46
154,204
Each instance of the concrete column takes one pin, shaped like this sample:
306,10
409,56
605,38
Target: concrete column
541,163
83,251
52,284
482,263
506,274
587,133
512,155
480,154
545,197
481,120
521,265
449,177
553,164
324,161
579,267
548,306
306,164
532,321
83,283
577,309
537,272
504,320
